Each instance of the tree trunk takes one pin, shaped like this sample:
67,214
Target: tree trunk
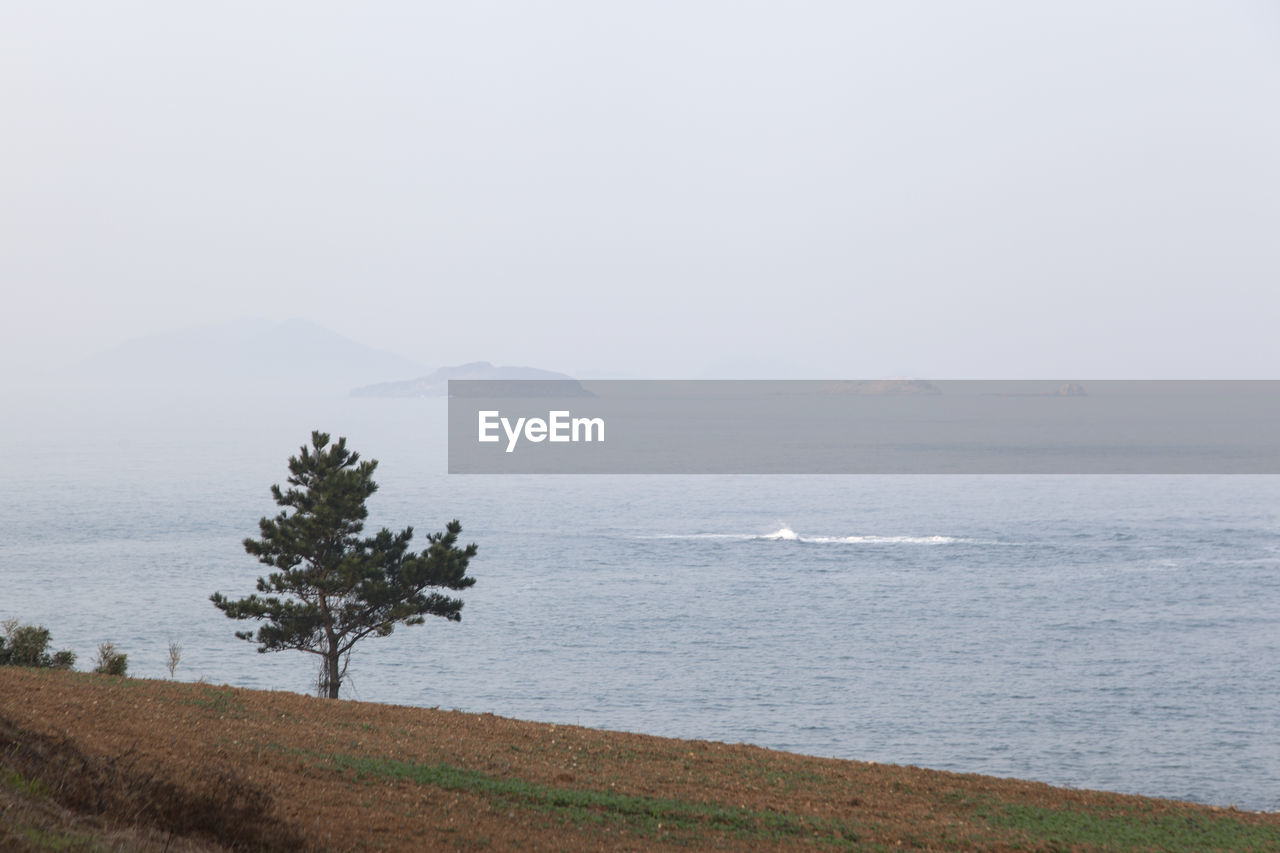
335,675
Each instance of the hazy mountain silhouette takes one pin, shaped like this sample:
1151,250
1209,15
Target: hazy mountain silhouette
436,384
293,357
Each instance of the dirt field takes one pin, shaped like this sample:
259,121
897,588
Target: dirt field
100,763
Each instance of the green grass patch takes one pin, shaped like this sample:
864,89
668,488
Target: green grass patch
36,838
650,816
791,780
220,702
1133,830
15,781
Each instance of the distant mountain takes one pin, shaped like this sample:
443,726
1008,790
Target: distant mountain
1069,389
289,358
437,384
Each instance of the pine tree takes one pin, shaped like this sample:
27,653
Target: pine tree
332,586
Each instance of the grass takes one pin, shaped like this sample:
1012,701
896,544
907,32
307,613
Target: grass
22,785
1130,829
218,702
220,805
643,815
84,759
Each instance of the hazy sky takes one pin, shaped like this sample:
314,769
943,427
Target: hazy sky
782,189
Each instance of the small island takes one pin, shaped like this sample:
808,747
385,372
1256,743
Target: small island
436,384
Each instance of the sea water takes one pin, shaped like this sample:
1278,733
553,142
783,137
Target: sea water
1120,633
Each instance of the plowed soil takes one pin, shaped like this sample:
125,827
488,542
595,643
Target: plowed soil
101,763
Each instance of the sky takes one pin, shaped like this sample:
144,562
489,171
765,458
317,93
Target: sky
682,189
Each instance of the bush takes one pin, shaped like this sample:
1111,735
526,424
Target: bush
27,645
110,661
175,657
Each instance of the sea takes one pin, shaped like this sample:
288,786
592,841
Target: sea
1104,632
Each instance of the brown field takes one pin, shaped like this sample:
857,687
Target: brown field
100,763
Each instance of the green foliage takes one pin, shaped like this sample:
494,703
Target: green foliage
332,586
638,813
110,661
1130,829
27,645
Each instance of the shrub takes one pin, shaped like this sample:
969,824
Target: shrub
110,661
27,645
175,656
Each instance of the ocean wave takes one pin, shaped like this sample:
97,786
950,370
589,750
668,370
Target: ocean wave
786,534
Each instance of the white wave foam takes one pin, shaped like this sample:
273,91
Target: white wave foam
877,540
786,534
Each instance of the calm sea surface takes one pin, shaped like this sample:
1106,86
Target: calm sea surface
1101,632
